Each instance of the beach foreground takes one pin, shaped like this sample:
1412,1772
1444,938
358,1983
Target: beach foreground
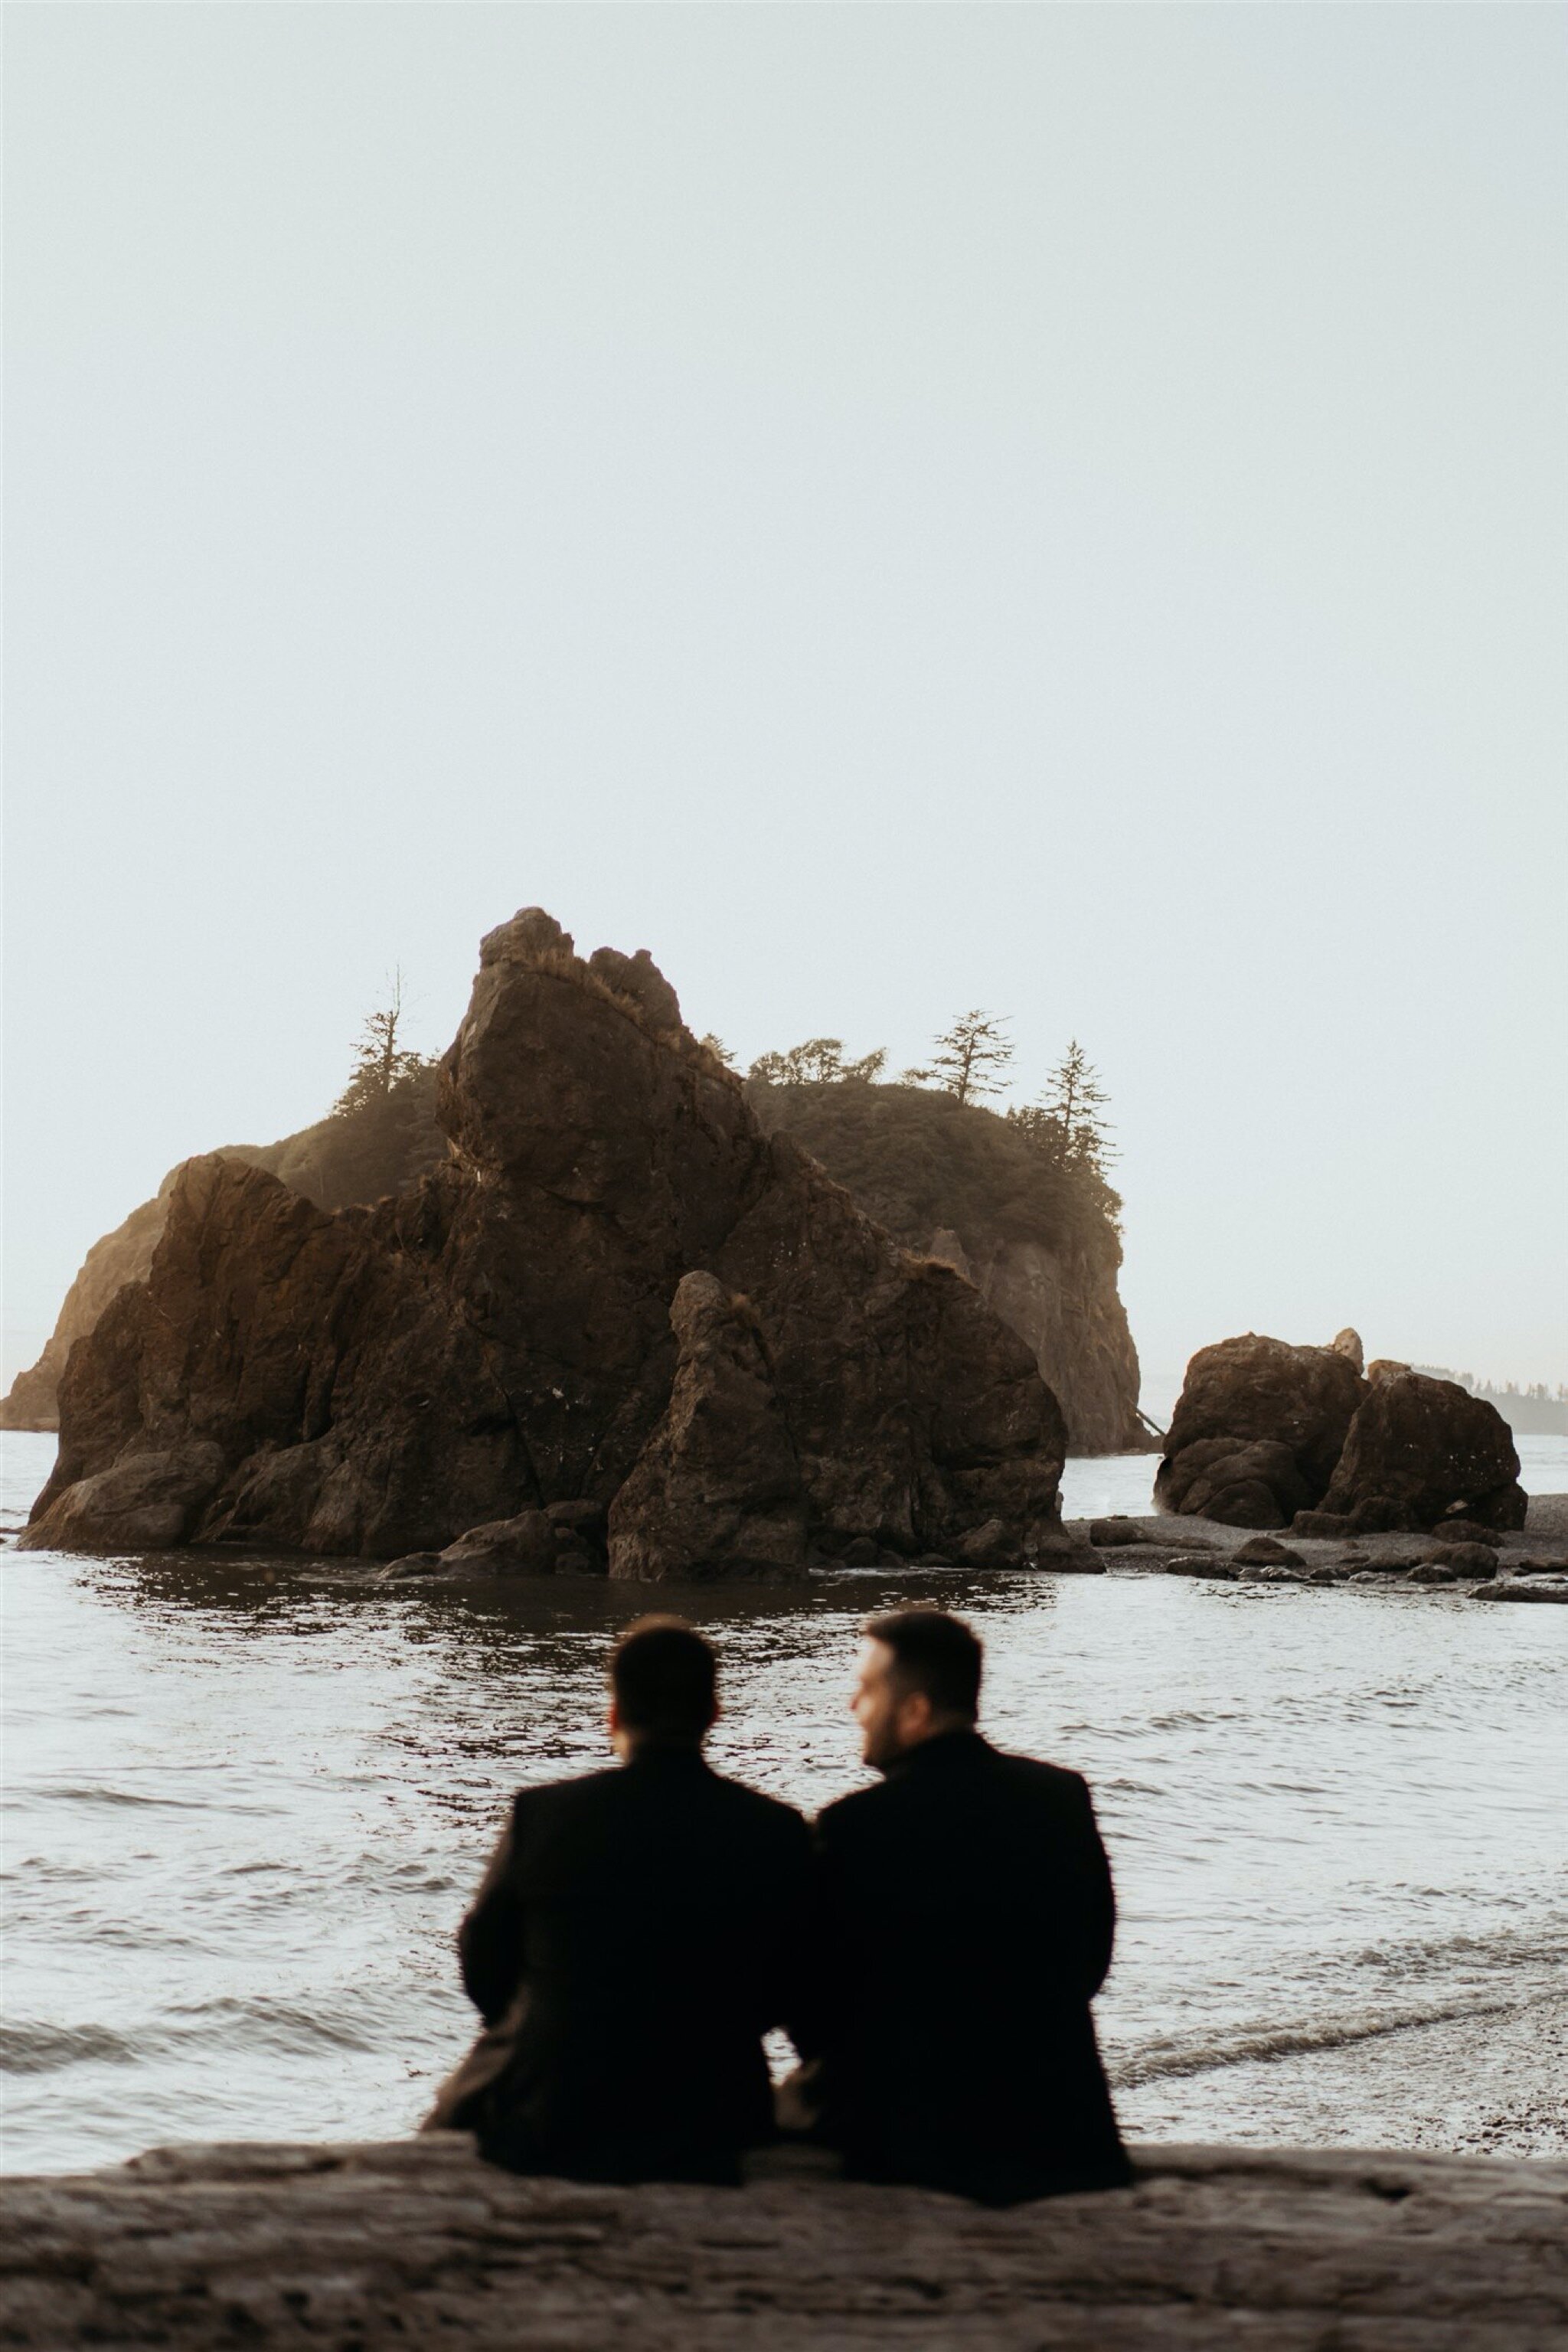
415,2241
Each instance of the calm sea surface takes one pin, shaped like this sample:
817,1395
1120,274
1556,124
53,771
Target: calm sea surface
245,1808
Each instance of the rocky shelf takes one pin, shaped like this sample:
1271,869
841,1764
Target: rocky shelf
415,2242
1525,1564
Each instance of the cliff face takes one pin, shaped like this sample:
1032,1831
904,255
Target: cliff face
958,1183
497,1338
1063,1302
124,1256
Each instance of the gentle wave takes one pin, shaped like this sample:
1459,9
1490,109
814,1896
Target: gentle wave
33,2048
1245,2047
225,2028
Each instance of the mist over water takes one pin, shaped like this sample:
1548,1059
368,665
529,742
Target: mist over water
245,1808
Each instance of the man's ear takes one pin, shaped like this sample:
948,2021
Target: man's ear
915,1710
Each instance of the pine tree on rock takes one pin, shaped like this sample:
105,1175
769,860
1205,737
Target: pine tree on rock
971,1056
386,1108
1076,1100
1069,1126
381,1065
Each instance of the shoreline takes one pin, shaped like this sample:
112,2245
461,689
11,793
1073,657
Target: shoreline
1155,1543
1503,2074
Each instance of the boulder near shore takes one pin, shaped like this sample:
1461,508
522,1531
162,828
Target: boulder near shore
1269,1435
619,1306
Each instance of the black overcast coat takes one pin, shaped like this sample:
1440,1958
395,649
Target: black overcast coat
636,1933
963,1923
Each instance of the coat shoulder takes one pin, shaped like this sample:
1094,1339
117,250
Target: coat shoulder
543,1799
849,1816
1025,1779
764,1814
1050,1780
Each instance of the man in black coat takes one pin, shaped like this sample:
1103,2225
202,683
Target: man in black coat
635,1935
964,1918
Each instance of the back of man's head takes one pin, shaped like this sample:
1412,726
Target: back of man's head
664,1683
935,1655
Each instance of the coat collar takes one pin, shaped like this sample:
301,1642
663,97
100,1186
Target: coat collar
947,1750
661,1756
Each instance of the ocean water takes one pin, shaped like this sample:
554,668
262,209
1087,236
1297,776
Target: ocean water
245,1805
1097,1485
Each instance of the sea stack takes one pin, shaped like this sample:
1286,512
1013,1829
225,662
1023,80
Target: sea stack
498,1339
1269,1435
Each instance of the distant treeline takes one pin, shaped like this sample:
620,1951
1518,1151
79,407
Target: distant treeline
1535,1410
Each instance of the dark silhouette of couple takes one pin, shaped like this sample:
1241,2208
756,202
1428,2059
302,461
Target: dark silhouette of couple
933,1947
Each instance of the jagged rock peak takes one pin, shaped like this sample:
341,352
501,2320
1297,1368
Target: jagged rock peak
531,936
638,977
534,937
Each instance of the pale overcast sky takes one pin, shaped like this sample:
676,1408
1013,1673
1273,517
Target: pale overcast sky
892,508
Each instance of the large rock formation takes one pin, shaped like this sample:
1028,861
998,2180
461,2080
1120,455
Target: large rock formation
1257,1430
497,1339
946,1179
1422,1451
1265,1434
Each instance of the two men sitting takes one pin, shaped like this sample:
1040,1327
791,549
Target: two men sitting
933,1950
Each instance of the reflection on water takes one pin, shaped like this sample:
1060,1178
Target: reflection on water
245,1808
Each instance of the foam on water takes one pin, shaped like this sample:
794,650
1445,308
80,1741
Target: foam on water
243,1808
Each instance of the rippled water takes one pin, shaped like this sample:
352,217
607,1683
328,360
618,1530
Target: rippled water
243,1808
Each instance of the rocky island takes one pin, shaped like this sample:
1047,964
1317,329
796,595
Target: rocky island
946,1179
619,1324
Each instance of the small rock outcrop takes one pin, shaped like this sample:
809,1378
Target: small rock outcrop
1263,1551
1422,1451
496,1340
1269,1435
1258,1431
718,1486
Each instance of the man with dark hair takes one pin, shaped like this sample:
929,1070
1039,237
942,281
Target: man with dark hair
635,1936
963,1923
